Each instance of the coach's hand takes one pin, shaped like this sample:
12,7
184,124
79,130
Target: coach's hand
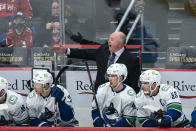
77,37
58,48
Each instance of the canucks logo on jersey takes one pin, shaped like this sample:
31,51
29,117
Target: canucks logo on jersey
109,114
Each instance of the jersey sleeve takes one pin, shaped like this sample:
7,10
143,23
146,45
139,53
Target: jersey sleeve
173,102
29,38
25,7
129,110
20,114
143,114
66,96
100,96
30,104
65,107
9,38
172,98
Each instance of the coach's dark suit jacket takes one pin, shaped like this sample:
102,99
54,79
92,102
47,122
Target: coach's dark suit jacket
101,56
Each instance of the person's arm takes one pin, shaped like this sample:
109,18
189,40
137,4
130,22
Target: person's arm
193,118
97,121
148,122
79,39
128,110
143,116
25,7
21,116
66,112
32,109
88,54
96,113
145,119
174,106
126,122
9,38
29,38
18,110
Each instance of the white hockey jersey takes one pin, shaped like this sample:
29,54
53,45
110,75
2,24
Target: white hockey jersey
115,105
37,106
16,112
167,98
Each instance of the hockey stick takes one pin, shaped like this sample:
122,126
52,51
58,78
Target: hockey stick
155,112
94,95
55,83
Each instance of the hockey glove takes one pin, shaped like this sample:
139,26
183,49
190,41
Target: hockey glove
98,122
57,93
39,123
166,121
157,115
77,38
193,119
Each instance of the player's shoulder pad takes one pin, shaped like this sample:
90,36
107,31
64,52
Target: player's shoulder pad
13,99
102,88
130,91
102,85
32,94
61,87
165,87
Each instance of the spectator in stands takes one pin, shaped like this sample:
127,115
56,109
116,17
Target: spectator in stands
8,10
20,35
113,51
53,24
13,110
116,110
158,105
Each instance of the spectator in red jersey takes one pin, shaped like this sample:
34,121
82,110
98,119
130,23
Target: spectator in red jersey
20,35
8,9
11,7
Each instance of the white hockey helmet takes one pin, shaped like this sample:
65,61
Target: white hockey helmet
43,77
151,76
3,84
117,69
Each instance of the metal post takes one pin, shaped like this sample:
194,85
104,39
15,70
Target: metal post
133,27
142,29
125,15
62,21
